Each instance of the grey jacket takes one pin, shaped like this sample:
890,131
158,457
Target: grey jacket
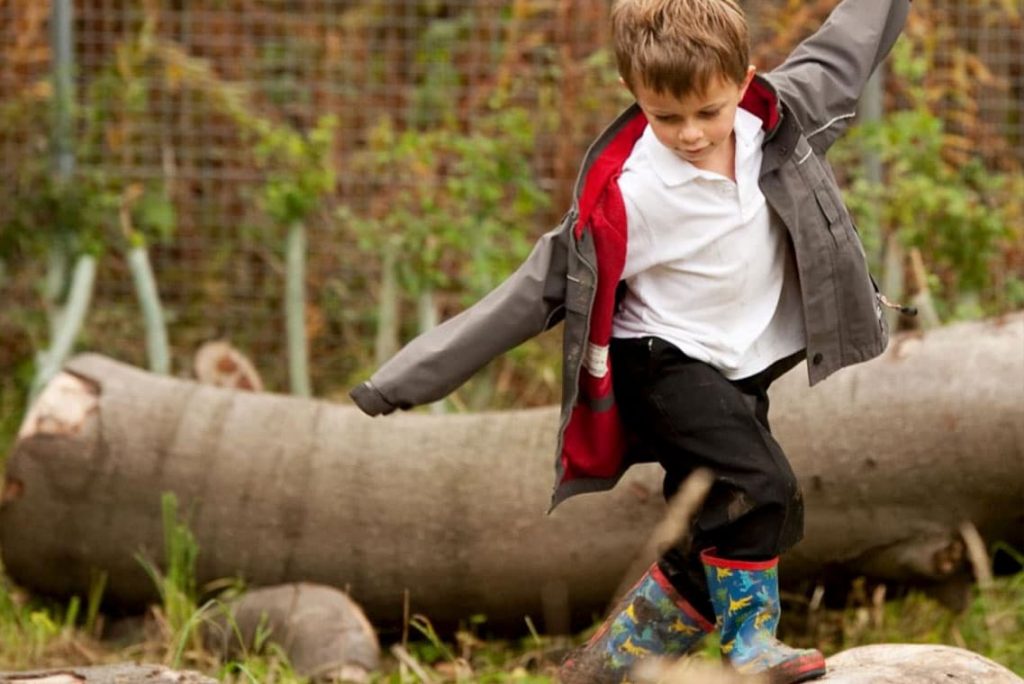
805,104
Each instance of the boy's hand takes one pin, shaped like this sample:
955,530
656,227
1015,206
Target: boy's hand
370,401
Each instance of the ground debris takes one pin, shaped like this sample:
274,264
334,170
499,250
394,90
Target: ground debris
120,673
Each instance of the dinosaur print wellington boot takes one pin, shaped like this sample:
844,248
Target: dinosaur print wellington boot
652,619
745,595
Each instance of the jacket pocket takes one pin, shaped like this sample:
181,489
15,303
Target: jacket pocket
830,204
840,223
816,183
833,214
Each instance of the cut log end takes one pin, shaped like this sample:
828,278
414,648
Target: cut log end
222,365
62,409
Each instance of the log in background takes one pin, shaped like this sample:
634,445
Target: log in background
893,455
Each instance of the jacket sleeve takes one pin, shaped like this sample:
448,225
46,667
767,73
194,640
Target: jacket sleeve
438,361
823,78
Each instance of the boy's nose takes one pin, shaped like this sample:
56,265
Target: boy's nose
689,134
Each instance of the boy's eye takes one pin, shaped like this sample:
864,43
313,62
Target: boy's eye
710,114
666,118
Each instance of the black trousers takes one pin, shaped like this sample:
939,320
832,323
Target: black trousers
686,414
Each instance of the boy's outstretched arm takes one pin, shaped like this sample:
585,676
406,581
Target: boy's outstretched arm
438,361
823,78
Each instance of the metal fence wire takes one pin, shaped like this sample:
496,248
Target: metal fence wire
166,89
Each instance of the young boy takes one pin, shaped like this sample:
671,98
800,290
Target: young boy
707,252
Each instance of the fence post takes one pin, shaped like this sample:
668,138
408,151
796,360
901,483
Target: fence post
295,310
70,306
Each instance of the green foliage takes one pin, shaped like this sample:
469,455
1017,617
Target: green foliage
152,216
112,116
435,96
281,66
76,215
176,582
85,213
25,632
298,167
264,664
34,632
993,625
433,649
262,660
459,207
963,218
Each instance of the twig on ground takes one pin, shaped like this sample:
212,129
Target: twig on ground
409,661
673,528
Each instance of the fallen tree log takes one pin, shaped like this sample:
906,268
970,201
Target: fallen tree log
894,455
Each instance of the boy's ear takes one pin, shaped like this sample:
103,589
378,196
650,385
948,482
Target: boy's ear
751,70
625,85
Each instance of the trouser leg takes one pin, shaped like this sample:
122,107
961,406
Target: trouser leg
688,415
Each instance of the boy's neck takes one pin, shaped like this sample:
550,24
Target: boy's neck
723,162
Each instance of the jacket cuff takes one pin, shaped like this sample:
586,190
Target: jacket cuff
370,401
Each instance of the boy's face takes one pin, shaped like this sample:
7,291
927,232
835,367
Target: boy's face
697,127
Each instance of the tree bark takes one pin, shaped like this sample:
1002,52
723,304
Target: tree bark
894,455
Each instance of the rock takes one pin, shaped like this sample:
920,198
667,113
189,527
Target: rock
322,631
915,664
877,664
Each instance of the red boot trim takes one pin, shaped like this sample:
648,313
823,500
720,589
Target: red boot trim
800,669
680,602
707,557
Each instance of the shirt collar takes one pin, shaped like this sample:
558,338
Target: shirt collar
674,171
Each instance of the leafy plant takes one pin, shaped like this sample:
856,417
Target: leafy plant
458,207
34,632
179,612
995,620
965,219
266,664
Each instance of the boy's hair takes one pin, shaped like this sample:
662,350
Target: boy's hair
679,46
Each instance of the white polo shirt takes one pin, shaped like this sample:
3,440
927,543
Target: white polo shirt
708,266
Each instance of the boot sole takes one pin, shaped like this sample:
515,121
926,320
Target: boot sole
805,668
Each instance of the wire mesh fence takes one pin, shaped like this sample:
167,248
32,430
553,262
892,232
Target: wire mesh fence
185,111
